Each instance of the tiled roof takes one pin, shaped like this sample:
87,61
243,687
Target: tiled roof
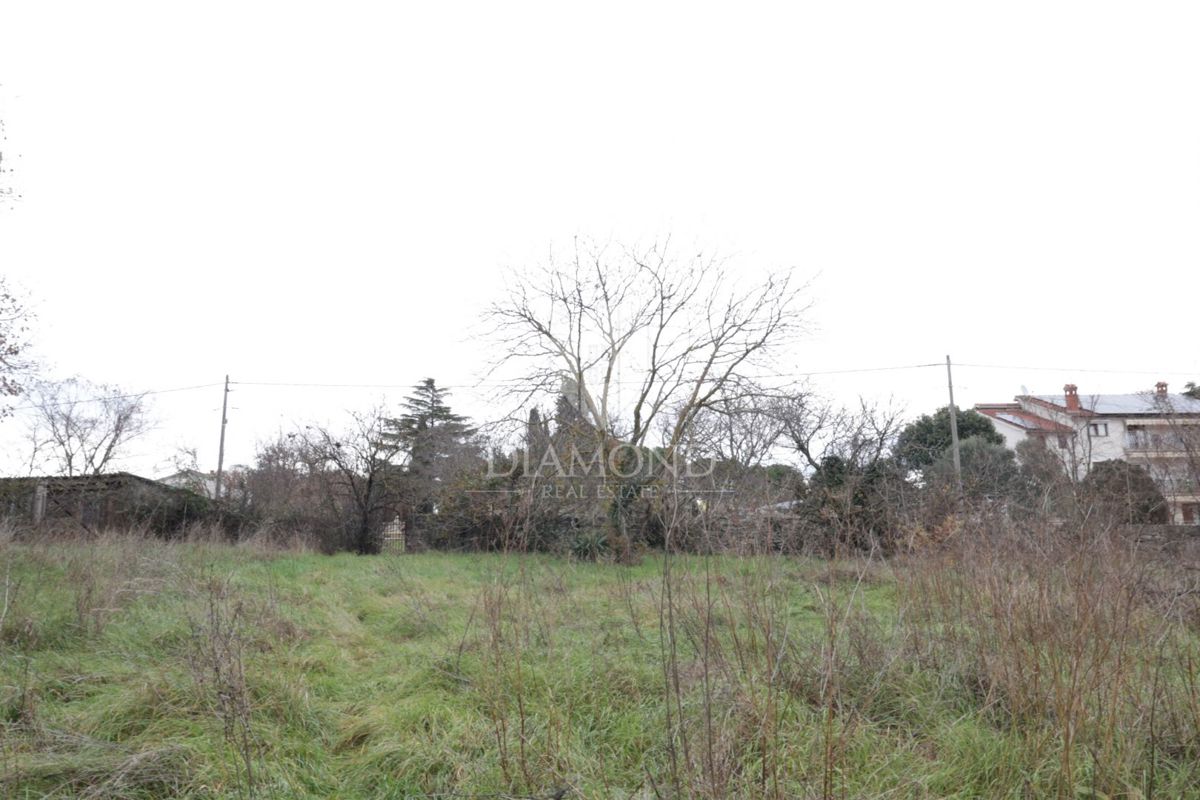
1144,403
1013,414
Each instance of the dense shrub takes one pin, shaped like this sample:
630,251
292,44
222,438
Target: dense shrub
1124,493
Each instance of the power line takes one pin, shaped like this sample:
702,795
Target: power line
304,385
103,398
861,369
1076,369
310,385
497,384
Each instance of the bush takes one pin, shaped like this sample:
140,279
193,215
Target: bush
1124,493
589,545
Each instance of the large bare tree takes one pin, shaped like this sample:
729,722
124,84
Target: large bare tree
634,335
80,428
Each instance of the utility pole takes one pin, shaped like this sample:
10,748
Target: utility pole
954,429
221,449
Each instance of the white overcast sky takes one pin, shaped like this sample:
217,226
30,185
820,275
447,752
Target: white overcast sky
328,192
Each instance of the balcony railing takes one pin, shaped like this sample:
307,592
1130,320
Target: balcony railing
1163,442
1180,488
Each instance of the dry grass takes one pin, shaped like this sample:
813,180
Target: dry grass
1010,663
1086,645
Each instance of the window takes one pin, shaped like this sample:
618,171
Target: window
1062,441
1098,428
1191,513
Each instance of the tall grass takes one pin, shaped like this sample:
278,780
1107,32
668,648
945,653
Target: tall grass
1009,663
1080,645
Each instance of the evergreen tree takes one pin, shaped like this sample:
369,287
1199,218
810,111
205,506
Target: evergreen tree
537,436
989,470
430,435
923,441
1124,493
428,431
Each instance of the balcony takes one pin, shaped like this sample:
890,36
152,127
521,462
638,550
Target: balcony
1165,443
1180,488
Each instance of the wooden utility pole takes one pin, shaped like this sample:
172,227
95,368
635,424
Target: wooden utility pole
221,449
954,429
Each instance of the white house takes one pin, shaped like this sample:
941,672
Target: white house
202,483
1157,430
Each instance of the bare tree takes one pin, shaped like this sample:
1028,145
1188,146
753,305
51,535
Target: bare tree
8,192
80,428
817,430
14,345
354,466
856,491
742,428
280,486
634,334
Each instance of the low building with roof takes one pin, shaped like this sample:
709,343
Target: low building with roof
1157,430
91,503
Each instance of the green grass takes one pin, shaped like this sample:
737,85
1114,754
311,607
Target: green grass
399,676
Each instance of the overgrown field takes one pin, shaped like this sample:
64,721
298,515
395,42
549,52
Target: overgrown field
135,668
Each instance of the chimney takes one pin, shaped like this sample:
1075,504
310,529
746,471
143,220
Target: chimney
1160,388
1071,391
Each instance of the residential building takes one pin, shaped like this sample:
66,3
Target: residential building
202,483
233,483
1157,430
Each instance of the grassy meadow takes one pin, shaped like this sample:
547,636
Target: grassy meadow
135,668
